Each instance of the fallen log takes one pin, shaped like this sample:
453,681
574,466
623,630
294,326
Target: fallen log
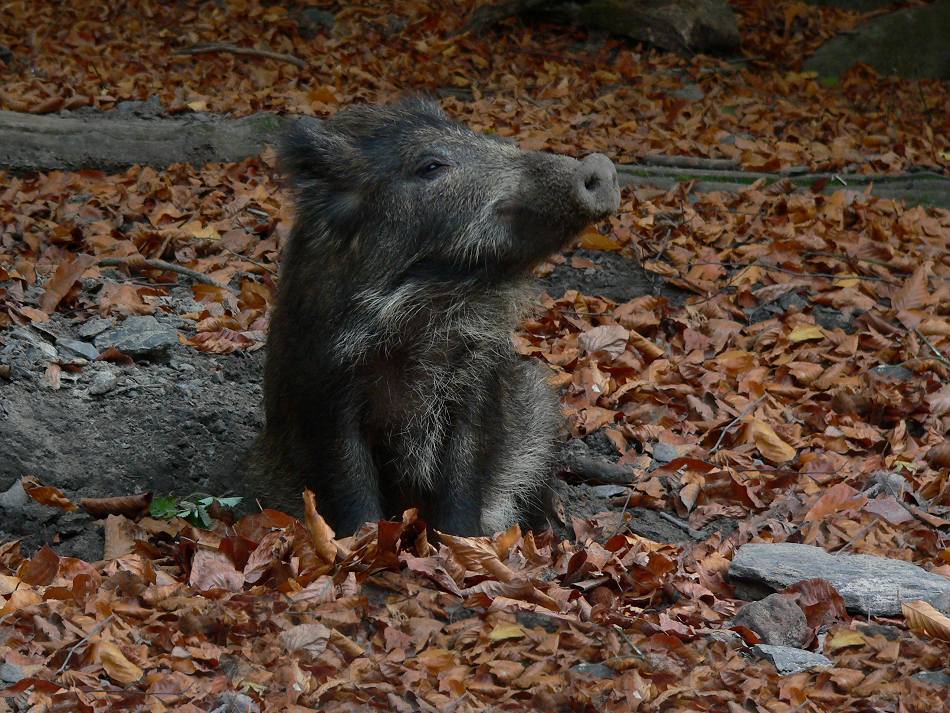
113,140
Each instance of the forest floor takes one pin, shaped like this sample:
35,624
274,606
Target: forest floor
768,364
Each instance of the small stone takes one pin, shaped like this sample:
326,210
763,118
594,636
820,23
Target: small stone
936,678
594,670
91,327
231,702
891,372
777,619
314,18
102,383
11,673
689,92
14,497
79,348
788,660
609,491
730,638
139,337
664,452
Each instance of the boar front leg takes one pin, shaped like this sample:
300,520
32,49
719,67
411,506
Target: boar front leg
348,491
458,491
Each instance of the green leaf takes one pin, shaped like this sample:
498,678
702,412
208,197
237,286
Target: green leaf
163,507
199,517
229,502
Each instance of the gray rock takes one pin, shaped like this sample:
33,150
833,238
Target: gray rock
911,42
38,349
102,382
14,497
727,637
594,670
891,372
151,108
936,678
679,26
11,673
868,584
313,20
79,348
139,337
230,702
94,326
609,491
664,453
690,93
788,660
777,619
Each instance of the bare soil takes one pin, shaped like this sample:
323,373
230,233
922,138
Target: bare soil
184,422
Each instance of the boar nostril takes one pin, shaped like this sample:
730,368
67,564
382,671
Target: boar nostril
591,182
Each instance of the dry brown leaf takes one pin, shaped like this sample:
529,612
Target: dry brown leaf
321,534
939,456
40,569
130,506
476,555
923,617
311,639
119,668
46,494
120,535
914,292
610,338
768,442
213,569
840,497
19,599
66,275
51,377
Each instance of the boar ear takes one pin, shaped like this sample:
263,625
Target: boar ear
312,151
422,104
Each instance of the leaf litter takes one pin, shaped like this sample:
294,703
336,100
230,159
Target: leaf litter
803,383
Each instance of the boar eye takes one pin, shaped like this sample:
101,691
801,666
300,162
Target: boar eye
430,169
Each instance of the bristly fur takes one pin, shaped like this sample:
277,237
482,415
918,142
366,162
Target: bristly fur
391,380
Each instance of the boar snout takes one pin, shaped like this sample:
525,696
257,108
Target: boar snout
595,186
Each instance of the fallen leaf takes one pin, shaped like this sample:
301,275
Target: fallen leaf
806,333
119,668
46,494
321,535
768,442
130,506
506,631
66,275
924,618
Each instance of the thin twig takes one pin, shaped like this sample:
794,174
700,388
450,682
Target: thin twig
849,258
681,524
154,264
937,353
250,51
251,260
620,524
84,640
745,412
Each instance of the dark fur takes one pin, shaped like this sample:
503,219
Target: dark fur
390,378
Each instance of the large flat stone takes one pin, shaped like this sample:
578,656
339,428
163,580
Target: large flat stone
139,337
868,584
